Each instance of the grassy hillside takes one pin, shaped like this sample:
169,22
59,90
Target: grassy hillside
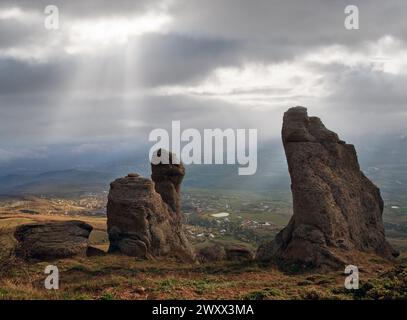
120,277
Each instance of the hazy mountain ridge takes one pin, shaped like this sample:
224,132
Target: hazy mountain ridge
382,159
55,182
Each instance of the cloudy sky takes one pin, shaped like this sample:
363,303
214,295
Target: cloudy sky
115,70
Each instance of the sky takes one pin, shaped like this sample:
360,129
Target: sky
115,70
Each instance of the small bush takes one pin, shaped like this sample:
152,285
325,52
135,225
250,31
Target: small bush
391,285
313,294
265,294
107,296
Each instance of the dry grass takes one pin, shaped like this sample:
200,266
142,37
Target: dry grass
121,277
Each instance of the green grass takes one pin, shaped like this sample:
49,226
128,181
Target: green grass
107,296
265,294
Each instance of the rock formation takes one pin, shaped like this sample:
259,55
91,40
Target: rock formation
337,210
143,217
219,252
211,253
168,179
238,253
52,240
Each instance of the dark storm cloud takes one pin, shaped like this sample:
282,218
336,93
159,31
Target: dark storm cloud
42,119
29,29
162,60
174,58
277,30
286,21
14,33
85,9
203,113
370,91
24,77
24,121
35,93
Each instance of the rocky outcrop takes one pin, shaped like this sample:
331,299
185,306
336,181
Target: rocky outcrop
52,240
168,179
218,252
337,209
238,253
211,253
143,217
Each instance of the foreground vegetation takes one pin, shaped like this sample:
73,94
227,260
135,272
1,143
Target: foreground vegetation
121,277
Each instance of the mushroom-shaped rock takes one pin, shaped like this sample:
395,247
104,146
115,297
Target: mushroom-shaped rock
141,224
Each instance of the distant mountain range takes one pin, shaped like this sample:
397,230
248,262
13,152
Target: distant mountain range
56,182
384,160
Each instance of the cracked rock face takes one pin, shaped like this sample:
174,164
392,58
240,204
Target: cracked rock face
144,218
168,179
52,240
337,209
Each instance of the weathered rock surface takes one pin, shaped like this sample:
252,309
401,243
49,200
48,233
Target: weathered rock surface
219,252
93,251
168,179
52,240
337,209
239,253
211,253
141,222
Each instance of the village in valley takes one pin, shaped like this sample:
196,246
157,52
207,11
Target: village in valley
209,216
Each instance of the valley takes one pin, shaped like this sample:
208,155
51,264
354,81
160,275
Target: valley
252,217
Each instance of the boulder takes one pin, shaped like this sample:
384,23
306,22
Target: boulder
52,240
337,210
95,252
218,252
239,253
211,253
144,219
